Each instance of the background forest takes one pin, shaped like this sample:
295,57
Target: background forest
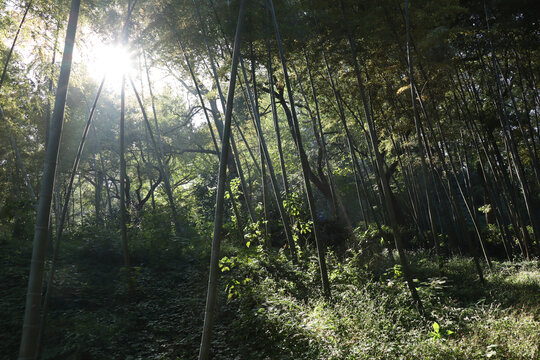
292,179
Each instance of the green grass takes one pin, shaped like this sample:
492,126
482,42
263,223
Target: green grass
373,318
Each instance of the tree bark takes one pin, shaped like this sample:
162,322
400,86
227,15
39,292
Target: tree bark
321,247
390,208
60,225
29,338
204,350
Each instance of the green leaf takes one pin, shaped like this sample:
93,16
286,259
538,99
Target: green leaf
436,327
485,208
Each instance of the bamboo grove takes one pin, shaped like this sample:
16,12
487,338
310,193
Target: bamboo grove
418,120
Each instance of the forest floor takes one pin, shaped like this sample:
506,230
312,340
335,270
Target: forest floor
270,309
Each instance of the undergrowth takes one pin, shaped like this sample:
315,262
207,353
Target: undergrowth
373,317
270,308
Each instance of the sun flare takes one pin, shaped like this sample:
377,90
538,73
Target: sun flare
112,61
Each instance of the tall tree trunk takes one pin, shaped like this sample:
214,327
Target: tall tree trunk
254,99
274,110
236,157
331,198
266,159
231,164
350,146
123,175
448,155
204,351
419,136
321,247
124,181
29,338
509,137
390,209
496,163
60,225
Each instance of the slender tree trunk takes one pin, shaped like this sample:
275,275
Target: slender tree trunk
419,138
254,99
204,351
348,136
50,88
366,183
385,184
448,154
321,247
123,174
29,341
325,179
509,137
496,163
60,225
318,127
274,111
216,115
266,158
239,219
